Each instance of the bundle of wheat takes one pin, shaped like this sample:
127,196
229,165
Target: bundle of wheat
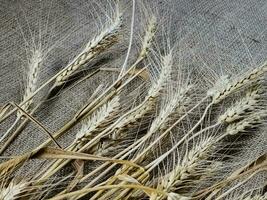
136,111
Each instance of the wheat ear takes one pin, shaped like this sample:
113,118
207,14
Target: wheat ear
229,86
186,172
33,71
91,125
99,120
105,39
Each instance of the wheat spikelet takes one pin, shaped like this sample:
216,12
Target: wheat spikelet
246,105
251,121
